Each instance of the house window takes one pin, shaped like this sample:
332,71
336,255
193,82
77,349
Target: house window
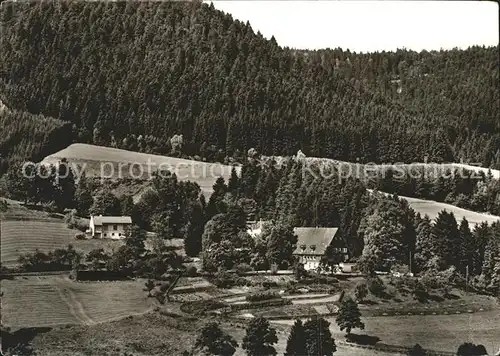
112,234
115,227
104,234
105,227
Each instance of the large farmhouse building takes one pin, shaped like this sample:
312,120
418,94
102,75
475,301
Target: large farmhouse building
312,244
109,227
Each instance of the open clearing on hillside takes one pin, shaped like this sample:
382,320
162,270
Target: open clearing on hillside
113,162
56,300
432,209
20,237
362,170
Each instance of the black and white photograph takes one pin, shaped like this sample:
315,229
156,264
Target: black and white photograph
249,178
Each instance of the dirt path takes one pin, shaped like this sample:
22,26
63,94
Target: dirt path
74,305
329,299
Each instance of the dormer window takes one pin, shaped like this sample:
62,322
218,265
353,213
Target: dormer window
303,247
313,247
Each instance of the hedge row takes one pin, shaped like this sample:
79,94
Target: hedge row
262,296
261,304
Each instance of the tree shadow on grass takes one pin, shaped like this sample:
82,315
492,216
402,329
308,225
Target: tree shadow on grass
362,339
435,298
20,339
368,302
452,296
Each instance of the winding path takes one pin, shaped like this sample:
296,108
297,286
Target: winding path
74,305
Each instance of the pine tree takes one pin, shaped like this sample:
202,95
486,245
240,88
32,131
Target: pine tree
349,316
233,183
214,340
426,253
296,343
319,340
447,236
259,338
467,247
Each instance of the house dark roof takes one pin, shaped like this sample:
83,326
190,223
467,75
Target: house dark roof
315,239
99,220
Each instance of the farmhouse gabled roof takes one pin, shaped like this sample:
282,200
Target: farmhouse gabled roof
99,220
314,239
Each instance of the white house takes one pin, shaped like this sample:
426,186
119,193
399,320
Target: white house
312,244
109,227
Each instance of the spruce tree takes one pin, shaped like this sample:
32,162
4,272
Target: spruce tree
319,340
349,316
296,343
259,338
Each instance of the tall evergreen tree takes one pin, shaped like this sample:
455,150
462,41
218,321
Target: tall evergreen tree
259,338
319,340
296,343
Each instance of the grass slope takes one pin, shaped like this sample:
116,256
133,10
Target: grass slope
116,163
56,300
432,209
24,230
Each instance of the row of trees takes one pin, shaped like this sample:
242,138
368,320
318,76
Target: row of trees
224,87
37,183
310,338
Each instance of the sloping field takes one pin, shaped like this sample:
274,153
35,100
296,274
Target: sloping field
34,302
117,163
25,236
360,170
20,237
432,209
56,300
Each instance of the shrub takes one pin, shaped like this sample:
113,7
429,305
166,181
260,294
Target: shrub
319,279
75,223
376,286
243,268
261,304
164,287
224,279
191,271
80,236
269,284
202,306
3,205
262,296
361,291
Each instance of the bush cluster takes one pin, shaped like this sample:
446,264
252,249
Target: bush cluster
262,296
225,279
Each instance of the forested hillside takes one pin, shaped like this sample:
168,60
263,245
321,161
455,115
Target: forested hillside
26,136
123,70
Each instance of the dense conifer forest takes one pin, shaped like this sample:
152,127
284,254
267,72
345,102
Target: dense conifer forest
109,73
